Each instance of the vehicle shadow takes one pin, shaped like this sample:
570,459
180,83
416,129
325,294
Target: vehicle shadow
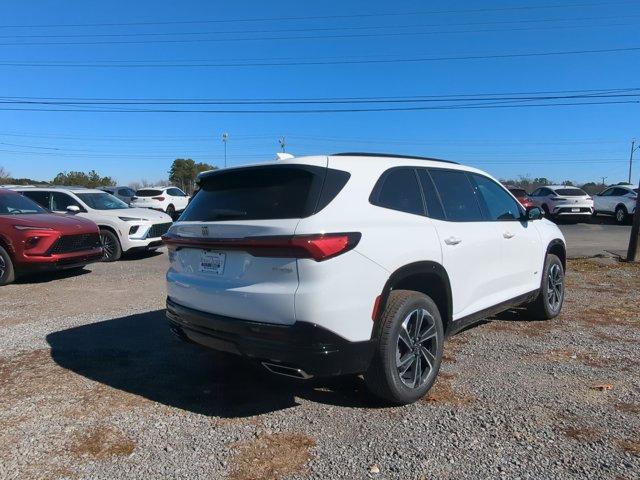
44,277
141,255
138,354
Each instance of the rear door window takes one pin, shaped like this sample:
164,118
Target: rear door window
261,193
457,195
399,190
431,198
41,198
60,201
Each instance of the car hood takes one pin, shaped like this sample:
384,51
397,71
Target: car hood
142,213
63,223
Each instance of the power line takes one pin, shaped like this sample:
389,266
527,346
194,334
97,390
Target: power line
312,37
315,111
301,62
327,17
323,29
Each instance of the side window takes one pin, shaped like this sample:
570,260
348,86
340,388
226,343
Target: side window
457,195
60,201
619,192
498,204
608,192
125,192
41,198
174,192
536,192
400,191
434,207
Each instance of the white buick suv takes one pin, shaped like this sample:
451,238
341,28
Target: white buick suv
122,229
355,264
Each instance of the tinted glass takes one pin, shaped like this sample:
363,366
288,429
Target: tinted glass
608,192
498,204
536,192
457,195
14,204
126,192
619,192
60,202
146,192
571,192
41,198
518,192
257,193
102,201
400,191
434,207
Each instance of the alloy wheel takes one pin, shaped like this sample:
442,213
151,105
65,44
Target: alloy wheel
555,287
416,348
108,246
620,215
3,267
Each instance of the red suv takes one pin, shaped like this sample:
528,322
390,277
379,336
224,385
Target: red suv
33,239
521,195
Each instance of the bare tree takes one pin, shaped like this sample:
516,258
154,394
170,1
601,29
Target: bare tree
4,174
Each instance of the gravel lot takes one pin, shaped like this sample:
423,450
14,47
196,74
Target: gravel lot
92,385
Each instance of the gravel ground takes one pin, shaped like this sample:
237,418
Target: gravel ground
93,386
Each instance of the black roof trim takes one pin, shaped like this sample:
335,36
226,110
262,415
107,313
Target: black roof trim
389,155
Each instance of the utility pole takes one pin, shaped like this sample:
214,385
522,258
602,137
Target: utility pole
632,252
225,138
633,149
603,179
282,143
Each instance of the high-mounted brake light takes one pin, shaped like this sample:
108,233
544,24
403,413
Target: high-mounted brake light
318,247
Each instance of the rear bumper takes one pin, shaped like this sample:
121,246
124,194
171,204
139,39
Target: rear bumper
582,210
306,346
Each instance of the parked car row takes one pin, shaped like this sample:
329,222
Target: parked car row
61,228
170,200
568,202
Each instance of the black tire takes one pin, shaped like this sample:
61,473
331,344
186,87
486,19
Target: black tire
548,304
621,215
7,272
171,211
384,377
546,211
111,246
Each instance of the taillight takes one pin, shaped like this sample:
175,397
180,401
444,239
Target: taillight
158,198
318,247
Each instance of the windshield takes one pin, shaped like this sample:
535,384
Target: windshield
148,193
14,204
571,192
102,201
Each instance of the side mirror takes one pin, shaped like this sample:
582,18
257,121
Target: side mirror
534,213
73,209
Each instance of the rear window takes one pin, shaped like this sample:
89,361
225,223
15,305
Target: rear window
265,193
148,193
571,192
518,192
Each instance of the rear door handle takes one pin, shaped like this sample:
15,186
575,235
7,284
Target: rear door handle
452,240
508,235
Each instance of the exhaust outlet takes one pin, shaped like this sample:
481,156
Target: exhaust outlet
286,371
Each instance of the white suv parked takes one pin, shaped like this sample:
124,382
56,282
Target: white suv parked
619,201
355,263
560,201
122,229
171,200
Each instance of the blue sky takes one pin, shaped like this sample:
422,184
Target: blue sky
575,142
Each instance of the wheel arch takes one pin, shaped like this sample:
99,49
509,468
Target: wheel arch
558,248
621,205
426,277
6,244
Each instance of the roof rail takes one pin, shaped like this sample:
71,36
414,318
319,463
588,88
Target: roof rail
389,155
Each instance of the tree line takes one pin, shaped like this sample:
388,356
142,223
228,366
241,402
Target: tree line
183,173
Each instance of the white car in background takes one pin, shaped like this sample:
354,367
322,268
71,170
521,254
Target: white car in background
167,199
123,193
561,201
122,229
618,200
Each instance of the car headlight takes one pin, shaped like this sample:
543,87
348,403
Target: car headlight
28,227
132,219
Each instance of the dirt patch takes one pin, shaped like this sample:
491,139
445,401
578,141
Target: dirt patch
582,434
628,407
101,442
271,456
563,355
443,392
631,446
